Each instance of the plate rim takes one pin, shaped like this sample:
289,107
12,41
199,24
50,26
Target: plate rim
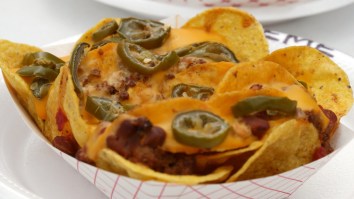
266,15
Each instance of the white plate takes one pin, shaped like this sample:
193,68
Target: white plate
30,169
266,15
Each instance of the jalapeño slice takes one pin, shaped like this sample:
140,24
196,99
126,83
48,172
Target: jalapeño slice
193,91
209,50
77,54
38,71
140,60
199,128
106,30
146,33
103,108
271,104
42,58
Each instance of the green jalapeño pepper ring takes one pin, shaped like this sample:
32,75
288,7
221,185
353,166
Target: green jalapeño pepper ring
38,71
200,129
44,67
271,104
103,108
40,87
143,61
75,59
146,33
210,50
106,30
197,92
43,58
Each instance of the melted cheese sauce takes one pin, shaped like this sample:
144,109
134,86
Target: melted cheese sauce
102,69
183,37
155,88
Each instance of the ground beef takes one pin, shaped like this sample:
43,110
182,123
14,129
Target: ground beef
324,133
186,62
139,141
66,144
258,126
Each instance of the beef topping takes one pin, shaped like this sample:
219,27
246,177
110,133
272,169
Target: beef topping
315,119
66,144
332,121
319,153
169,76
112,90
186,62
324,133
138,140
123,95
81,155
61,119
95,73
258,125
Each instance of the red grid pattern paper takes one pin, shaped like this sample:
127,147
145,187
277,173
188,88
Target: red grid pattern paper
119,187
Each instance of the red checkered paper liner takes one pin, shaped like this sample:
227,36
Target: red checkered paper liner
278,186
122,187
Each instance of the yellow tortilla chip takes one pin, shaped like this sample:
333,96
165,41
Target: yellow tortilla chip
222,102
242,32
289,145
262,76
11,56
71,104
46,112
255,75
112,161
326,81
206,75
53,108
234,158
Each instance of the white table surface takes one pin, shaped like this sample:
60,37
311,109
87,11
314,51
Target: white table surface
39,22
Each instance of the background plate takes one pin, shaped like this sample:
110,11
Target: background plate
266,14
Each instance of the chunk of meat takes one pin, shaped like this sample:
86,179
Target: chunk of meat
139,141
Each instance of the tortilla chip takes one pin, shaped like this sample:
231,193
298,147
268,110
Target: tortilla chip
11,56
54,110
289,145
242,32
255,75
326,81
234,158
222,102
206,75
71,104
112,161
46,112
